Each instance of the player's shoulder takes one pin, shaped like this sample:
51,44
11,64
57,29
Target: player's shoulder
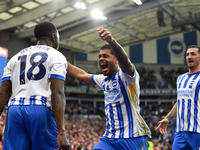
98,80
56,55
52,51
21,52
99,77
181,76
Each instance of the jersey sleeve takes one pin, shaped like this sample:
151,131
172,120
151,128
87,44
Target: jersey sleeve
97,80
128,78
59,67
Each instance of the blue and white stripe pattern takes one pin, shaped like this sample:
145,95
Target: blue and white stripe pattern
32,100
122,109
188,115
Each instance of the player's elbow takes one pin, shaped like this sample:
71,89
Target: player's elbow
57,95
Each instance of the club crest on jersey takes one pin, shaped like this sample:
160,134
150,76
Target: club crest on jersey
111,92
110,86
191,83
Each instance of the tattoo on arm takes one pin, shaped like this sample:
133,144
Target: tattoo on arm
172,113
119,52
123,60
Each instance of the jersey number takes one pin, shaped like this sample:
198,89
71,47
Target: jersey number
42,70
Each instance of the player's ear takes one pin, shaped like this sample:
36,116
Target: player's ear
53,37
116,60
55,40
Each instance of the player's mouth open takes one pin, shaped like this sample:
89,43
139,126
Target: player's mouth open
103,67
190,61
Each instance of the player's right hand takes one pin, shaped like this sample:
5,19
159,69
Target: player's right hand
163,126
105,34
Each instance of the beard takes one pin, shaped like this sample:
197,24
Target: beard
109,73
191,67
106,73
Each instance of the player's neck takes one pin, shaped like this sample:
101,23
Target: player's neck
44,41
194,70
109,76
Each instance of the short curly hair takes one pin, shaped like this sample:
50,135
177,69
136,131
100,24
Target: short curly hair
44,29
107,46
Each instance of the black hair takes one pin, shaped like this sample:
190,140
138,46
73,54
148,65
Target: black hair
107,46
44,29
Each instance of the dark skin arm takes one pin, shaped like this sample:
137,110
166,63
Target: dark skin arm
79,74
5,91
58,106
124,62
120,54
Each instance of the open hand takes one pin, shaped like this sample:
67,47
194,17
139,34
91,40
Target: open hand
163,126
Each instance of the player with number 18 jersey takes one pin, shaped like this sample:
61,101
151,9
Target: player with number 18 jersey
32,119
37,67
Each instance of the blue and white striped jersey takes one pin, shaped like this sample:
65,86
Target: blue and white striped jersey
188,102
30,71
121,96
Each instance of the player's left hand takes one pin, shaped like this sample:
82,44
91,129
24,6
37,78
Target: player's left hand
63,143
105,34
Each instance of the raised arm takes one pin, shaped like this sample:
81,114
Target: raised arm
163,123
79,74
58,106
124,62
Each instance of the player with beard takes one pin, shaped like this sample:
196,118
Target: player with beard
125,128
187,107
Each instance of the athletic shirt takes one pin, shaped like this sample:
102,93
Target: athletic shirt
188,103
30,71
121,96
